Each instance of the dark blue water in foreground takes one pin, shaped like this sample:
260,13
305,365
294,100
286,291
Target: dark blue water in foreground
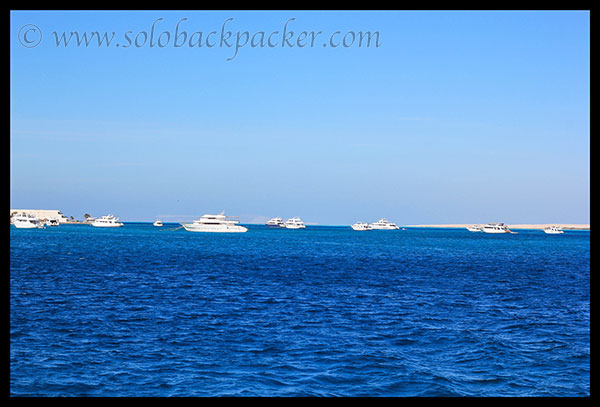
145,311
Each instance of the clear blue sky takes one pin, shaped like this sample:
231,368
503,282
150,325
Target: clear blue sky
456,117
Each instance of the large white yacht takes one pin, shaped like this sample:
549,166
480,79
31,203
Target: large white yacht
107,221
384,224
294,223
495,228
275,223
26,221
361,226
215,223
553,230
157,222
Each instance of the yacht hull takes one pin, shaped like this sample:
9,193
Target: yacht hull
190,227
493,231
25,225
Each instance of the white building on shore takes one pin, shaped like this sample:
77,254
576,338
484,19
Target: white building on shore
43,214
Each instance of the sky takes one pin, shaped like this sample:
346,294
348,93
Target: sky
443,117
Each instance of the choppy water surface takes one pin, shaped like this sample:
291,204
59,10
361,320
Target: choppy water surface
145,311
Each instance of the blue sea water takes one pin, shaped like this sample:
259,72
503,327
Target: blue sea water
325,311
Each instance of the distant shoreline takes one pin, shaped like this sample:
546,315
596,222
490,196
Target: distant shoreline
565,226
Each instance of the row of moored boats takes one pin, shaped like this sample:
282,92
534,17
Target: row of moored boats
502,228
206,223
222,223
28,221
381,224
296,223
291,223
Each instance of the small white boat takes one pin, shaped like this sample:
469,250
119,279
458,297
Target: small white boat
215,224
157,223
107,221
361,226
553,230
495,228
295,223
27,221
384,224
52,222
475,228
275,223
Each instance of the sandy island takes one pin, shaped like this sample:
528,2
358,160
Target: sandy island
565,226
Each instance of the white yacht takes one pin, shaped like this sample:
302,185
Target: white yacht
475,228
361,226
215,223
495,228
384,224
275,223
157,222
26,221
107,221
295,223
553,230
52,222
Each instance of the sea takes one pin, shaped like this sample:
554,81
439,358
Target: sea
144,311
